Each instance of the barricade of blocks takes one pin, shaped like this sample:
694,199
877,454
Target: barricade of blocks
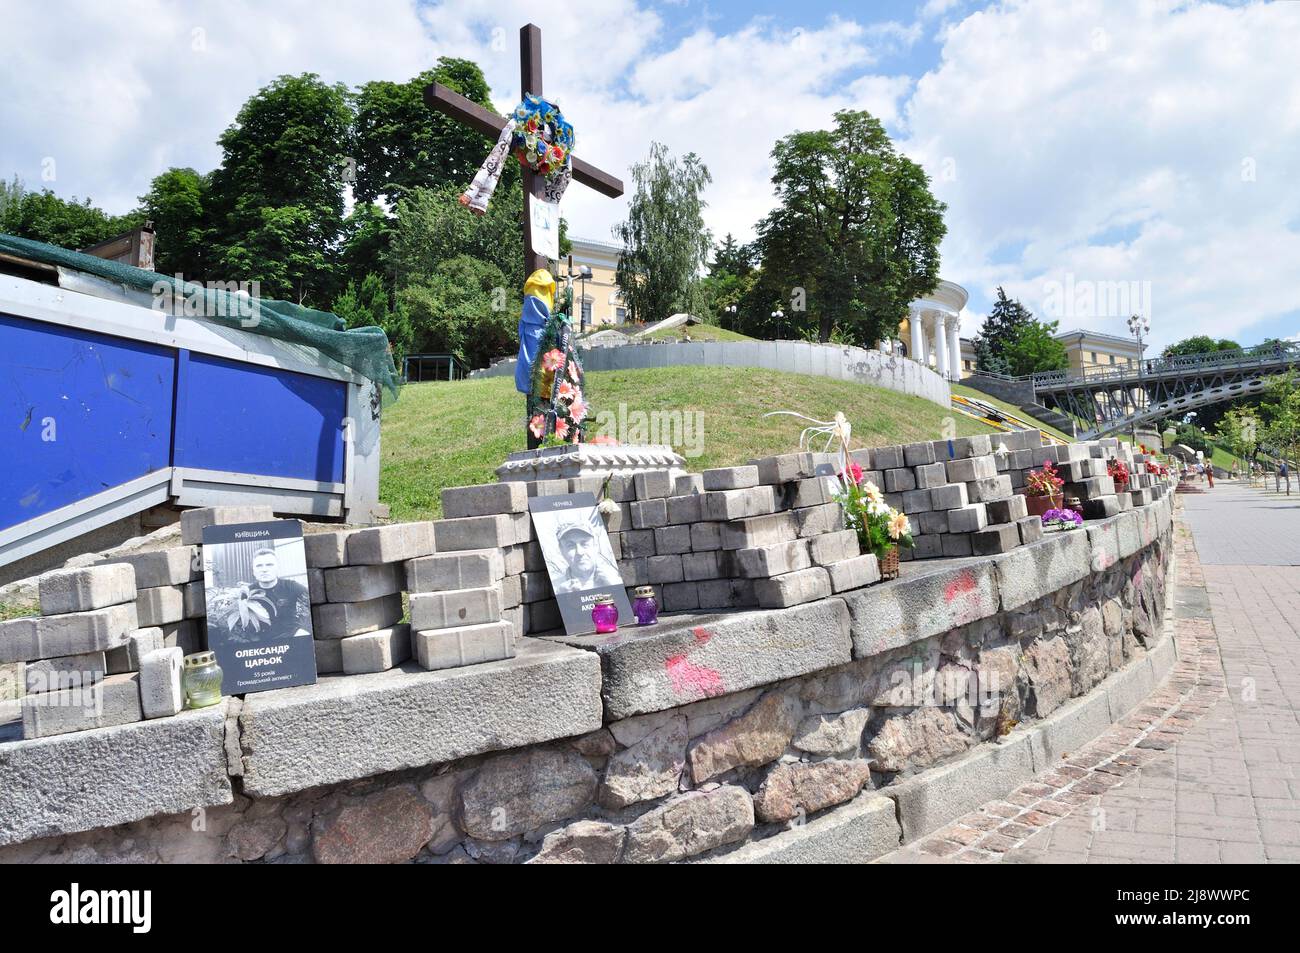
86,660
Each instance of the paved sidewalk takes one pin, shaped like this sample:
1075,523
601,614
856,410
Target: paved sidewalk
1208,769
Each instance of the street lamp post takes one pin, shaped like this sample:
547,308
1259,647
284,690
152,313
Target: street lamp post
1139,326
731,311
778,314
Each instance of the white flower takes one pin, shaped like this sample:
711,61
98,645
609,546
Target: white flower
607,507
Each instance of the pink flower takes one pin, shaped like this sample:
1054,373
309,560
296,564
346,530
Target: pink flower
537,426
573,371
561,428
566,391
578,410
855,471
552,359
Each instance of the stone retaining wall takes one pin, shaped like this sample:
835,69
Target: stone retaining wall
832,729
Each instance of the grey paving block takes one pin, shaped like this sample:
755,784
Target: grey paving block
956,545
329,656
730,478
833,547
887,458
327,550
998,538
471,569
949,496
967,519
194,521
772,560
900,480
376,651
785,468
647,514
661,569
90,587
394,543
680,597
916,501
460,607
706,537
652,484
854,572
793,588
113,701
75,633
160,683
758,531
473,532
688,483
918,454
685,509
160,605
967,469
931,475
72,671
672,539
989,489
359,583
1007,510
484,499
698,566
464,645
727,594
338,620
1031,529
162,567
724,505
127,658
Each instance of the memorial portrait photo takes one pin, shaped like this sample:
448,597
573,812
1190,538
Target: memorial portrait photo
258,604
579,558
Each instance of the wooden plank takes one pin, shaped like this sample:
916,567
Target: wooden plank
530,81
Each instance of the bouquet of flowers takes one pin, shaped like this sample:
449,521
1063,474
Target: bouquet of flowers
1044,482
1159,469
1063,518
1118,471
878,525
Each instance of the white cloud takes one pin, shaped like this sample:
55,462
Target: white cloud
1106,140
1113,142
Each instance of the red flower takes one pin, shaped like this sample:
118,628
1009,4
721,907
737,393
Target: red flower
855,471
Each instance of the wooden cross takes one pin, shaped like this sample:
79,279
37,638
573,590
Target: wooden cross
456,106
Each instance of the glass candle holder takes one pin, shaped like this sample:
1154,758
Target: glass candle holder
202,680
645,608
605,614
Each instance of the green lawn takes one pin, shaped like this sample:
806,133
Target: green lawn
698,332
455,433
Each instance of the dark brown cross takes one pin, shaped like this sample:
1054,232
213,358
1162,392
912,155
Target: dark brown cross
470,113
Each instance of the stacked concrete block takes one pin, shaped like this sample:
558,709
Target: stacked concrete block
193,522
375,651
160,683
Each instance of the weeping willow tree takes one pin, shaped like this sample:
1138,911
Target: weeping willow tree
664,239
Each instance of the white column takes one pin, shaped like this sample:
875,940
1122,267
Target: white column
940,344
954,347
917,350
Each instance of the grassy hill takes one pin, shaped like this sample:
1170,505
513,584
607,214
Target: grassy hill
698,332
973,394
454,433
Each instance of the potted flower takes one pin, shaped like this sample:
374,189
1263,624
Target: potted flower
881,529
1118,471
1062,519
1043,489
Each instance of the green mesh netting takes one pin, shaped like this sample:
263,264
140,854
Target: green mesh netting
364,350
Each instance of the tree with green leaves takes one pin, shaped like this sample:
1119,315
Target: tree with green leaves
1198,344
1280,409
855,234
463,307
1034,348
68,223
664,239
277,198
399,144
176,203
369,304
1002,326
432,227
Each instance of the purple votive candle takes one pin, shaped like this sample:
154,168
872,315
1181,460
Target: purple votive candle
644,606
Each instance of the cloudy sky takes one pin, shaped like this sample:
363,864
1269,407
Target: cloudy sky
1097,156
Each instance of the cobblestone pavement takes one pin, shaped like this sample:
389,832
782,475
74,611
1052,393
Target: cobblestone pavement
1207,770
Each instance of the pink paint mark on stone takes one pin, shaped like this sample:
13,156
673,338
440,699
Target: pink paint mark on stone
692,680
963,585
702,635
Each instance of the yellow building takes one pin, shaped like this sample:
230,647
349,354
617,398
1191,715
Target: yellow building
1092,349
597,300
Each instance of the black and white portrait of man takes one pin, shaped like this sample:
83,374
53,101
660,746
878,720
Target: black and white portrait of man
579,558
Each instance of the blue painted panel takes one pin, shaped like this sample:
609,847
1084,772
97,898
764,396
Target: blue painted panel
250,419
80,412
